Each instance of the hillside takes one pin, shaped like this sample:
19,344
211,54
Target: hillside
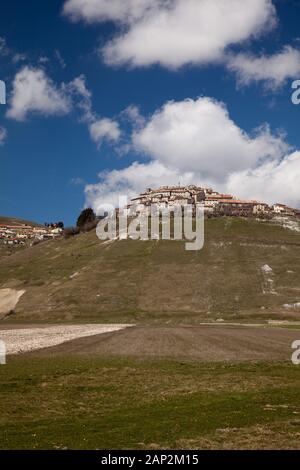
83,279
6,250
17,221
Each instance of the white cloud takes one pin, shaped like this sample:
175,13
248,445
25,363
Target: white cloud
133,115
174,32
196,142
100,129
274,69
199,135
83,98
104,129
3,135
276,181
270,182
92,11
131,181
34,92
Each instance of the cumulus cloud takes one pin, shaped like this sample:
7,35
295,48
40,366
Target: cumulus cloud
270,182
196,142
276,181
104,129
3,135
274,70
199,135
131,181
100,129
35,93
173,33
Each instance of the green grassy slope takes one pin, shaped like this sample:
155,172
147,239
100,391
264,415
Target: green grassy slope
125,403
83,279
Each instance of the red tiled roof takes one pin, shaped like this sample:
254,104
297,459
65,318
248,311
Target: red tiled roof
236,201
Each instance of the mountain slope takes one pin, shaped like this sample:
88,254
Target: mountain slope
6,250
133,281
17,221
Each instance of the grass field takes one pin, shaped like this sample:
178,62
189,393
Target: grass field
156,385
58,403
83,279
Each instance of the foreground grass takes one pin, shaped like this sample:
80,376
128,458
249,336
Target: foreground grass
127,403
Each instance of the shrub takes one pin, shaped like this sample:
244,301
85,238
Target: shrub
87,216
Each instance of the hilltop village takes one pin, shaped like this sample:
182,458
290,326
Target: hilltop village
22,234
214,203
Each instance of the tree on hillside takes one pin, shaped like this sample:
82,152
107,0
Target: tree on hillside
86,217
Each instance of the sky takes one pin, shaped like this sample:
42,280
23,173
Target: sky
109,97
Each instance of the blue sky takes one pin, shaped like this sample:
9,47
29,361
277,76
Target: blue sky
113,93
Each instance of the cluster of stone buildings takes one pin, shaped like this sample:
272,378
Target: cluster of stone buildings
22,234
214,203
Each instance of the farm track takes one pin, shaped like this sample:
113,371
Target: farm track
204,343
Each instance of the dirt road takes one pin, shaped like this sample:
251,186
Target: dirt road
205,343
19,340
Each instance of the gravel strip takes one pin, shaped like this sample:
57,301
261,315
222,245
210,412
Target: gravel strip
28,339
